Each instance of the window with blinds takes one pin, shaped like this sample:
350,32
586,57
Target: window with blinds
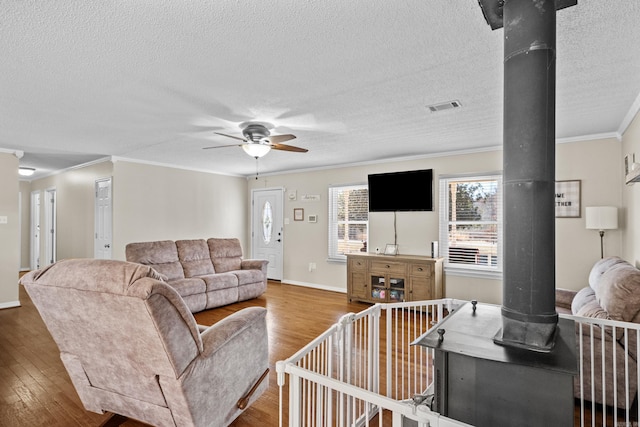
471,222
348,220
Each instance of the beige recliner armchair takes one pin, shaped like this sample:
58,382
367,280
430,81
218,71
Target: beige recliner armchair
132,347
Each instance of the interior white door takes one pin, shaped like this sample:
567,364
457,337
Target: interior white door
267,229
35,230
103,219
50,225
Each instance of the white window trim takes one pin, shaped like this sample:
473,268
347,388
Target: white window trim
333,222
477,271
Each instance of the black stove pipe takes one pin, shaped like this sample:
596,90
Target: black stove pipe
529,318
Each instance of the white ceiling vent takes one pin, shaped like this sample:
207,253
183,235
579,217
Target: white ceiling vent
449,105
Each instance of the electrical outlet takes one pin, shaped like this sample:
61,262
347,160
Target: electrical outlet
3,220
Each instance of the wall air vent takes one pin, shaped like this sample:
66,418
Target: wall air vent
449,105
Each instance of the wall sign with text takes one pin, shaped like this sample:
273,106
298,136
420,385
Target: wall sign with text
568,199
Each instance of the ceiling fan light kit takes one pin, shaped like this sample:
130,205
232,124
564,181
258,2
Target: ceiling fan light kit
256,149
258,140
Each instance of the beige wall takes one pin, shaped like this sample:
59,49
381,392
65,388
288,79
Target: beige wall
149,203
75,198
25,221
596,163
155,203
9,232
307,242
631,197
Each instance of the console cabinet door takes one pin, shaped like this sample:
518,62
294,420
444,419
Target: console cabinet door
358,280
420,282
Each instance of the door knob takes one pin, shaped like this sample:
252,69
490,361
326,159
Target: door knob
107,246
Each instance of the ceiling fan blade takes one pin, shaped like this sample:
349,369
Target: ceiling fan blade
222,146
276,139
231,136
285,147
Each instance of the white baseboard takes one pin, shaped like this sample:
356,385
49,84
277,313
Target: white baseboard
314,286
24,269
10,304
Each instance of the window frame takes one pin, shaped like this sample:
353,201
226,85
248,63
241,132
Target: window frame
470,270
333,222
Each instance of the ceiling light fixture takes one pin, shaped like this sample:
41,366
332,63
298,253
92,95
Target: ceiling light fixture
24,171
444,106
256,149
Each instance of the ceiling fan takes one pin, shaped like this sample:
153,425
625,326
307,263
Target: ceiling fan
258,141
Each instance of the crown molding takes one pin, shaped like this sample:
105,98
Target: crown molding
17,153
115,159
631,114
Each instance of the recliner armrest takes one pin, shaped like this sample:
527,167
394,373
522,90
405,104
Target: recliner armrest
254,264
564,297
217,335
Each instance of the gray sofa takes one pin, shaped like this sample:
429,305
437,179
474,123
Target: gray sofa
206,274
132,347
613,294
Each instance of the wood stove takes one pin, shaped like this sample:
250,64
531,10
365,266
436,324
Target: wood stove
484,384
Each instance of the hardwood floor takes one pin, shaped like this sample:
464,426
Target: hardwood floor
35,389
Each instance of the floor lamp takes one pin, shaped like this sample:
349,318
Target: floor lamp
602,218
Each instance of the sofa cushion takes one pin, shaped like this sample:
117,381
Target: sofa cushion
188,286
618,292
194,257
161,255
226,254
600,267
219,281
582,297
248,276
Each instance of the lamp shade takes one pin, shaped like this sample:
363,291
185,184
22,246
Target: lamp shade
256,150
602,217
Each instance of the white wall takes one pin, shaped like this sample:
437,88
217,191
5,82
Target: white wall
596,163
9,232
156,203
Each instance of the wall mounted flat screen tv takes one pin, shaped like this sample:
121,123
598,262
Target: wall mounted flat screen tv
401,191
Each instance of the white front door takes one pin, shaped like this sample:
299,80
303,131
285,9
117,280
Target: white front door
35,230
103,223
266,230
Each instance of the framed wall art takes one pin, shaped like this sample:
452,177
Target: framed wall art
568,199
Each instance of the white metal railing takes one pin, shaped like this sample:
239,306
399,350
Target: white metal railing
606,387
363,371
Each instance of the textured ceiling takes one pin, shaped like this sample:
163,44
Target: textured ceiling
144,80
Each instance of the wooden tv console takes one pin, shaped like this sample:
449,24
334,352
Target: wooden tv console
393,278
